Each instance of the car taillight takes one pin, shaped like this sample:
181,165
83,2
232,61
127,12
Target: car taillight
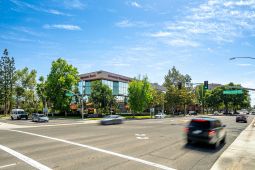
186,130
211,133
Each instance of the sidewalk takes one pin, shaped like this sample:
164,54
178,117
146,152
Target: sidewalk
240,155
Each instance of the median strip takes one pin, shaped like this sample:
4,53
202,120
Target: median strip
99,150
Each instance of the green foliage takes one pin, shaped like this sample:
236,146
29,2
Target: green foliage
215,98
158,98
174,96
41,92
62,77
140,94
25,90
101,96
7,69
174,76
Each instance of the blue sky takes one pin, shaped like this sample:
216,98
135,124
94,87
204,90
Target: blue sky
134,37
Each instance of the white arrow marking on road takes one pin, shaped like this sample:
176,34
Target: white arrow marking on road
100,150
24,158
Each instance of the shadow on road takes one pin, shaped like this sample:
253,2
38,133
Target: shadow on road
201,147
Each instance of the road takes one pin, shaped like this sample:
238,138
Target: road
136,144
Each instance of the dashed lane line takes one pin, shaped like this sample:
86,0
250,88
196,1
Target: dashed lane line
24,158
99,150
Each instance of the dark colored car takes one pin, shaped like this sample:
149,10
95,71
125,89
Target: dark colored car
241,118
36,117
112,119
206,130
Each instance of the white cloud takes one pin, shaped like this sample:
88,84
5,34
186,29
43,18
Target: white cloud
240,3
37,8
74,4
244,65
62,26
212,21
126,23
135,4
56,12
161,34
182,43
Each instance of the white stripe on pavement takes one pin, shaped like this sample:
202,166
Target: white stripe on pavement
24,158
5,166
100,150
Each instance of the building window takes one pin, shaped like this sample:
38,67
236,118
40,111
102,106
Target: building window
87,88
115,88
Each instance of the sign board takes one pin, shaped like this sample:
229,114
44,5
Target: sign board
233,92
73,106
45,110
69,94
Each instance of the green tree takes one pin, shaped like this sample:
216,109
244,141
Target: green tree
140,95
7,69
174,76
158,98
25,90
62,77
174,96
101,96
41,91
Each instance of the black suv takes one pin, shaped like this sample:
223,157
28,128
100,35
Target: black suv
241,118
206,130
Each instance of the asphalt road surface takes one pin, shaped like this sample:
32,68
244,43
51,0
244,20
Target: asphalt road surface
136,144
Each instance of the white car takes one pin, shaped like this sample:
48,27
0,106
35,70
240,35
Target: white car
18,114
160,116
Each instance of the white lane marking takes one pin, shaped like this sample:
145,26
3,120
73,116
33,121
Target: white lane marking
140,134
5,166
13,126
100,150
138,137
25,158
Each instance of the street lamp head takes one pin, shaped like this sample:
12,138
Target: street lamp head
232,58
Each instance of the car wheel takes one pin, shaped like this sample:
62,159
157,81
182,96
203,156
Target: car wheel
26,117
223,140
216,145
11,117
189,141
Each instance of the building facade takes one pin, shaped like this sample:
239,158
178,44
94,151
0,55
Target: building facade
117,83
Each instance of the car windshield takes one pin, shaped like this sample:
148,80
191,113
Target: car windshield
21,112
200,124
41,115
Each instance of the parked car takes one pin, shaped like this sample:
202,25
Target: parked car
206,130
36,117
252,112
241,118
216,113
160,116
192,113
112,119
18,114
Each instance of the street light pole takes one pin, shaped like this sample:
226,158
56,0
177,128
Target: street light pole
233,58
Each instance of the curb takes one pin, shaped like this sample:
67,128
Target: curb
240,154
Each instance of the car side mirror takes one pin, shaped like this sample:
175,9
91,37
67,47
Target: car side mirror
223,125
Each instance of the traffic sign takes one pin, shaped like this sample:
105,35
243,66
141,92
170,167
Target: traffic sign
69,94
233,92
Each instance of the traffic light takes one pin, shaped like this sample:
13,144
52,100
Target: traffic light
205,85
179,85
